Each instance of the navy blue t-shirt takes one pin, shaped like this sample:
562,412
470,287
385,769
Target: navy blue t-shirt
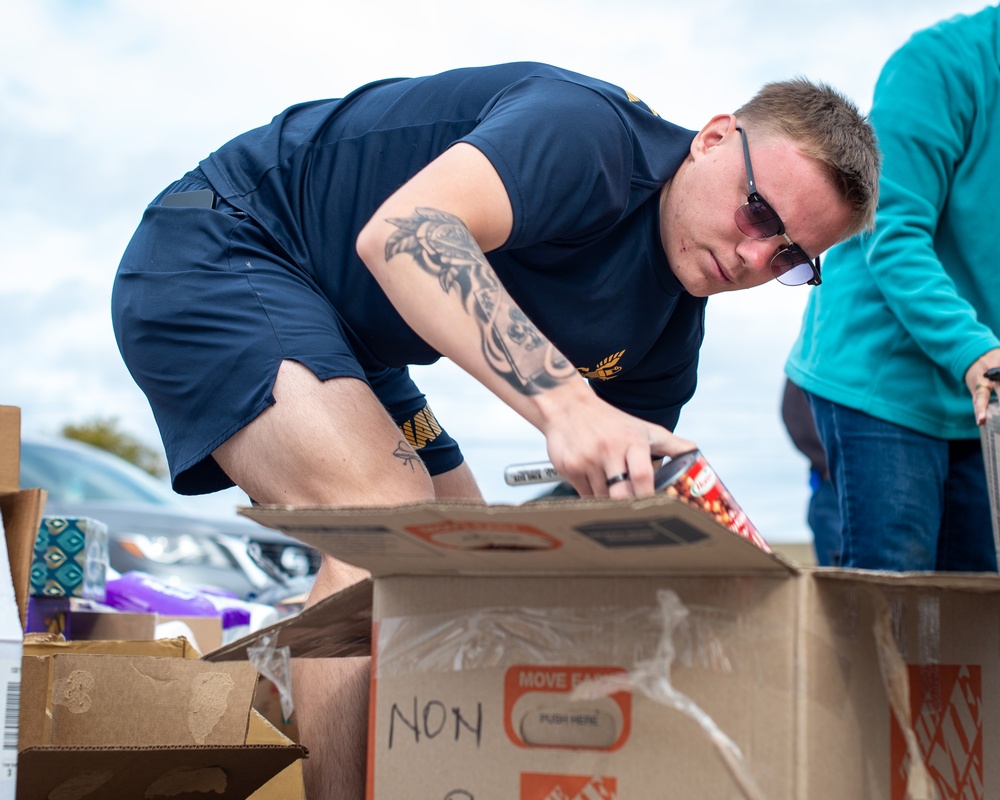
582,161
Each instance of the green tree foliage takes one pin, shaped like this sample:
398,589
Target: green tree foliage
104,432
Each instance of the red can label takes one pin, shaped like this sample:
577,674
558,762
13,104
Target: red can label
690,478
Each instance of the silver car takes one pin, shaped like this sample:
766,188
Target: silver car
154,530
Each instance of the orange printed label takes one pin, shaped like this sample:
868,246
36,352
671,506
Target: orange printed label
535,786
538,711
456,534
946,703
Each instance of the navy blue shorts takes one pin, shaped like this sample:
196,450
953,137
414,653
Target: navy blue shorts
205,307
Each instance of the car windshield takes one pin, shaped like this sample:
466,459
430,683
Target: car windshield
69,474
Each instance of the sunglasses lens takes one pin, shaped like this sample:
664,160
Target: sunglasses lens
791,267
758,219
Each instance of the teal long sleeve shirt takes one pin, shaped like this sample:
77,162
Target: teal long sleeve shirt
904,311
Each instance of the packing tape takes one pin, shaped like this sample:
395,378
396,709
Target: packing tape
659,638
652,678
896,679
501,636
275,664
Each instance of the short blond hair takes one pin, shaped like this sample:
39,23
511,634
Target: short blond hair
828,127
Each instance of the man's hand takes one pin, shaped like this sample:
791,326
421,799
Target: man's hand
980,386
593,445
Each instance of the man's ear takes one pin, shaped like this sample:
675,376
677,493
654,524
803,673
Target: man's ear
712,133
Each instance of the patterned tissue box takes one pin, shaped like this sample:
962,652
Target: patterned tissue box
70,558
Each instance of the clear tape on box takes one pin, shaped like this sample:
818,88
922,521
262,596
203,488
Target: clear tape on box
665,636
990,433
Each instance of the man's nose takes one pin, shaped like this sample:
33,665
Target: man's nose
757,253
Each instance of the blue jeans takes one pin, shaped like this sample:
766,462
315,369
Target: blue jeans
824,520
907,501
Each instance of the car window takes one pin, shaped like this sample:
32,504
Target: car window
69,475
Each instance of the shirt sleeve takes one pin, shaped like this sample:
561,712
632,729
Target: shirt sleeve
564,155
924,107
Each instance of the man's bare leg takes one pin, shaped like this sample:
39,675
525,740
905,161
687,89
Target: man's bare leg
331,443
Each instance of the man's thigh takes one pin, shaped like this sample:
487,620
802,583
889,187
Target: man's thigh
890,488
324,442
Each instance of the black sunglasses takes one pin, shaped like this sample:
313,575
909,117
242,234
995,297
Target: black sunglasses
790,265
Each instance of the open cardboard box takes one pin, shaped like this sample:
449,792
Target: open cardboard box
710,669
143,719
101,719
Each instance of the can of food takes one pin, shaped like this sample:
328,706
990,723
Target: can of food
524,474
691,479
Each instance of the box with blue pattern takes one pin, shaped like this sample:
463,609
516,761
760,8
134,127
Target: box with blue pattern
70,558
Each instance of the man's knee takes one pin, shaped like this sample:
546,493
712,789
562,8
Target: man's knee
324,442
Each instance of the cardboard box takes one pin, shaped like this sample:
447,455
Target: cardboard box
21,508
144,719
121,718
20,515
708,667
70,558
206,632
76,618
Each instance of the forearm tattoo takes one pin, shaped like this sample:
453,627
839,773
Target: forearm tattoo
513,347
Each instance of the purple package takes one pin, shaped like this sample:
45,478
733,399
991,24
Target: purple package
143,593
234,616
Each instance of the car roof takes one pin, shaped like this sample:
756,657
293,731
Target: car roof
75,471
83,479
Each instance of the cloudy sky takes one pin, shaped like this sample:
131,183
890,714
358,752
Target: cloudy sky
104,102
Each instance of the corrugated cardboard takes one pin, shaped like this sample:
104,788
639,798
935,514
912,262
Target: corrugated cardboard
715,670
10,449
21,508
189,724
21,513
123,718
76,618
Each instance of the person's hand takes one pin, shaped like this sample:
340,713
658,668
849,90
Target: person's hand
604,452
982,388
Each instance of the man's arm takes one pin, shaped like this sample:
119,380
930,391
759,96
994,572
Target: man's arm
425,246
925,105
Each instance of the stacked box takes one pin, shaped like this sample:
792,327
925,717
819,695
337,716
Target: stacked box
20,512
77,618
70,558
145,719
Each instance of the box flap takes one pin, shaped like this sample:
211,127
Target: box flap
985,582
35,702
222,773
652,535
287,784
32,720
10,449
46,644
337,626
22,515
118,701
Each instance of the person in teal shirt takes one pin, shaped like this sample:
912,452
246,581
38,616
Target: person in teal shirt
895,342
